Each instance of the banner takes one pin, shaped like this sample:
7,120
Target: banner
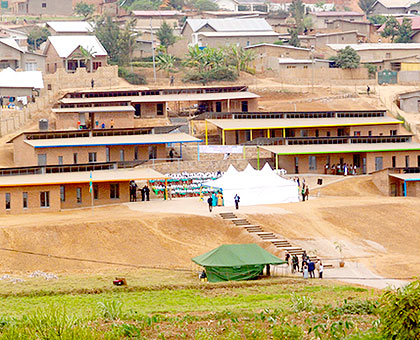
221,149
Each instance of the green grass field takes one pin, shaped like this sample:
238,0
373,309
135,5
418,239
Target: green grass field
174,305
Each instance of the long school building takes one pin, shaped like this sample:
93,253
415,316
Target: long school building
58,191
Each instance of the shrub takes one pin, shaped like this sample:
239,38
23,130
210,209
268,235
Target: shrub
207,76
285,331
111,310
400,312
301,303
132,78
365,307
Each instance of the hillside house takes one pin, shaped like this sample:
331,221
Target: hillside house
69,27
243,5
41,7
391,7
65,52
321,19
18,57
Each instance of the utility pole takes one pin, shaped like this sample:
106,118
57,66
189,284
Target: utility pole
153,50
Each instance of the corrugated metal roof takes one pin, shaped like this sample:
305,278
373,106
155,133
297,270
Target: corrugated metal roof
11,43
396,3
182,97
407,177
156,13
336,14
95,109
373,46
70,26
25,79
279,46
66,44
340,148
255,124
239,34
112,140
231,24
81,177
301,61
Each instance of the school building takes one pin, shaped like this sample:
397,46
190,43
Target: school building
57,191
102,108
398,181
101,146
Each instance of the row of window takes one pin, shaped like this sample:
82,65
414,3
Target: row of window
44,196
44,200
93,156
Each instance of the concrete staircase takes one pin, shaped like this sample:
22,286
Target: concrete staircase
258,232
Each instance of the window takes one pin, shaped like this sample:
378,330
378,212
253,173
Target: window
248,135
42,159
92,157
25,200
121,155
62,193
328,134
388,55
370,133
79,195
340,132
45,199
393,132
357,133
316,133
107,151
305,66
304,133
394,161
312,162
75,158
378,163
152,152
44,5
114,192
8,202
60,160
159,109
136,153
95,191
137,112
96,65
30,66
407,161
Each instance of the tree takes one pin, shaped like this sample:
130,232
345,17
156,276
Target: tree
400,312
84,9
205,5
86,55
347,58
297,11
239,58
405,31
377,19
391,28
166,36
294,38
366,5
37,36
166,62
117,42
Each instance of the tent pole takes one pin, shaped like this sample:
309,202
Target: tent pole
223,137
277,161
207,133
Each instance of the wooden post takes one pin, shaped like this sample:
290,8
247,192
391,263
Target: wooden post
268,133
207,133
223,137
277,161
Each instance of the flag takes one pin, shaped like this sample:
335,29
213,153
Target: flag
90,183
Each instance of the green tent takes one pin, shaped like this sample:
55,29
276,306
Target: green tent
235,262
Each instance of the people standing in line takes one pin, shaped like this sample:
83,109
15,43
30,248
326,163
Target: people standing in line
303,193
321,269
210,203
307,193
295,263
311,269
143,194
305,271
237,200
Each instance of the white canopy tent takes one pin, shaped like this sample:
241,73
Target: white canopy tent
255,187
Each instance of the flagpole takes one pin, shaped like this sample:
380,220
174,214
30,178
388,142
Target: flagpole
91,189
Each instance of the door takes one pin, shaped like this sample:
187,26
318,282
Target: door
364,165
356,160
296,165
108,157
218,106
82,119
244,106
137,110
379,163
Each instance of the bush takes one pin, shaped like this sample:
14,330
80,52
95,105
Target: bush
365,307
400,312
285,331
111,310
301,303
204,77
142,63
132,78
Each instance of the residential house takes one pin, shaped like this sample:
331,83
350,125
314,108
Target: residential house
415,27
384,55
20,84
69,27
243,5
391,7
222,32
321,19
267,55
410,101
155,19
18,57
66,52
344,25
290,63
41,7
18,35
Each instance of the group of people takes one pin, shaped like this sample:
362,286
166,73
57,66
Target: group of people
145,192
340,169
303,188
215,200
87,125
307,268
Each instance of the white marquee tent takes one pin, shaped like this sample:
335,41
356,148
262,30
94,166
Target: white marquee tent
255,187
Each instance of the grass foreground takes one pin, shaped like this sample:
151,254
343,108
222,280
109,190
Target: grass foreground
174,305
